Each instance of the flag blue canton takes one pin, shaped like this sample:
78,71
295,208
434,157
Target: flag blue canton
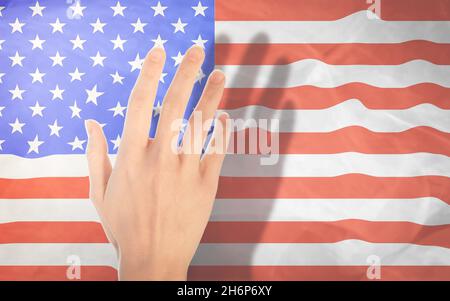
62,62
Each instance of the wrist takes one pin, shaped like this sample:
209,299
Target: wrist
140,268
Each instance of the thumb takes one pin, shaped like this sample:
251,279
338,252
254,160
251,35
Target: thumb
98,161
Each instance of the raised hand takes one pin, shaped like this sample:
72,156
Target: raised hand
155,202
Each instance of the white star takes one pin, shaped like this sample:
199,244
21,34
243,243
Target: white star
57,26
75,110
77,143
117,78
138,26
1,109
157,109
200,76
98,26
37,43
17,126
78,43
1,8
116,142
77,9
161,78
98,59
37,110
37,76
159,42
57,59
57,93
76,75
118,43
17,26
159,9
200,42
16,93
118,9
37,9
118,110
1,75
1,42
177,58
179,26
16,59
93,94
1,141
137,63
54,128
199,9
34,145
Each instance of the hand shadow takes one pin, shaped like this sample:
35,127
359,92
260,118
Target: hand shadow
253,232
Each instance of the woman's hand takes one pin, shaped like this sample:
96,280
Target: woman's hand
155,202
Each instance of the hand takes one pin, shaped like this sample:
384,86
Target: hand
155,203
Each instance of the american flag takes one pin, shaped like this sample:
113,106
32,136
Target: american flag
361,90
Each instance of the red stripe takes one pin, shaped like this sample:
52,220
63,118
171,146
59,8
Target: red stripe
277,273
309,97
48,188
244,232
89,273
292,10
345,186
334,54
352,139
52,232
327,232
55,273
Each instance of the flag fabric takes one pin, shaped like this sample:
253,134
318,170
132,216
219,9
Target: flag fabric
62,63
361,186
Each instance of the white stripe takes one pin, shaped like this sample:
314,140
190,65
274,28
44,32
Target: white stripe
349,252
238,165
98,254
319,74
349,113
38,210
324,165
14,167
355,28
425,211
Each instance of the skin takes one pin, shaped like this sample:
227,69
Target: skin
154,203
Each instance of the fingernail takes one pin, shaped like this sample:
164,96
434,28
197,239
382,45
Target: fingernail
156,54
88,126
224,115
195,53
217,77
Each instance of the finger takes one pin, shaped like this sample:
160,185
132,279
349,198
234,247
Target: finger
212,161
204,112
140,106
98,161
177,97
